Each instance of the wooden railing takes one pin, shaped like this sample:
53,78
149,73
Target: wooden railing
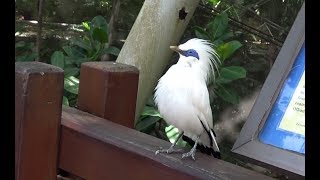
96,141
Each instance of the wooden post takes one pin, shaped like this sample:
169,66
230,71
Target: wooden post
109,90
38,99
159,24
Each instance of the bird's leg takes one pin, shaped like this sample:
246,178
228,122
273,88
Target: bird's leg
171,149
192,152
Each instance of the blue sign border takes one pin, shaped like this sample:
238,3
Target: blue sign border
271,133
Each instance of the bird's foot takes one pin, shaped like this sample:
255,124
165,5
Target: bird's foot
191,153
168,151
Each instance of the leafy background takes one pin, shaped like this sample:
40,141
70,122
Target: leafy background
247,35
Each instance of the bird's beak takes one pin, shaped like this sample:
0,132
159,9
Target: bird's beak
176,49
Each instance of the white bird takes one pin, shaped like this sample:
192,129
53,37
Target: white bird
182,96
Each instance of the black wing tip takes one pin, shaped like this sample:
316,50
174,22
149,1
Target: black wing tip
207,150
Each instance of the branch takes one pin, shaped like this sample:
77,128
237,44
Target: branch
40,5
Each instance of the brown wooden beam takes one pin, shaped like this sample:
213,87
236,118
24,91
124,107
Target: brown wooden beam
109,90
96,149
38,98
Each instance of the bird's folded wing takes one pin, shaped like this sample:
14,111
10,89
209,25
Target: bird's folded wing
201,104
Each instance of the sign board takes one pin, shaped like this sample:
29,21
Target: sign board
274,133
285,125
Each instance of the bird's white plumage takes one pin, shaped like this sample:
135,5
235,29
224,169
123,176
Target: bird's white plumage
182,96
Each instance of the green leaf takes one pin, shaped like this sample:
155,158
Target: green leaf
79,61
100,35
68,50
227,49
228,74
112,50
65,101
27,58
150,111
172,134
218,26
227,94
81,43
201,33
86,25
71,84
226,35
57,59
214,2
99,22
68,61
146,122
71,71
20,44
218,42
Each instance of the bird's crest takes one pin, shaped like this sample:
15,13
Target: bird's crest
208,57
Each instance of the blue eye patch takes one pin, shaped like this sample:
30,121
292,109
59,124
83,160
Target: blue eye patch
190,52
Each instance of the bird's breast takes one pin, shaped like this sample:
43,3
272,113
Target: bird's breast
173,98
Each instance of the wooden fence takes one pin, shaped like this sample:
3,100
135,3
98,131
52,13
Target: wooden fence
96,140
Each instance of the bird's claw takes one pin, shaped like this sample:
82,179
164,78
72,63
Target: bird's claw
188,154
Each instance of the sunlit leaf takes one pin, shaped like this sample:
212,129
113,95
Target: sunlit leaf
150,111
86,25
227,49
71,84
214,2
172,134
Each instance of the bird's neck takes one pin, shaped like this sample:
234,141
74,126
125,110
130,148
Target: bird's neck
192,67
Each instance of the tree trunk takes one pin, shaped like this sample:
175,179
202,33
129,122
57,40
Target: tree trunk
40,4
112,27
159,24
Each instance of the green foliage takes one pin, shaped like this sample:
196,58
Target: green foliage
172,134
148,118
217,32
90,47
57,59
225,50
25,51
214,2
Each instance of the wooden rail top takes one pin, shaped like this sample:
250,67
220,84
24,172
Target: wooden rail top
102,149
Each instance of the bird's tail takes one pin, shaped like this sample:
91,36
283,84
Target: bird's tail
204,149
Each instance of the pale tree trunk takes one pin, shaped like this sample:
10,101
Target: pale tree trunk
159,24
112,27
40,4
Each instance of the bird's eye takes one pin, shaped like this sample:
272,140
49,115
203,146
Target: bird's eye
190,52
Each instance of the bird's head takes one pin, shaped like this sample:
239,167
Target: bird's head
199,54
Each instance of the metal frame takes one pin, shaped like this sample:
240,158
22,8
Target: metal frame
248,144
